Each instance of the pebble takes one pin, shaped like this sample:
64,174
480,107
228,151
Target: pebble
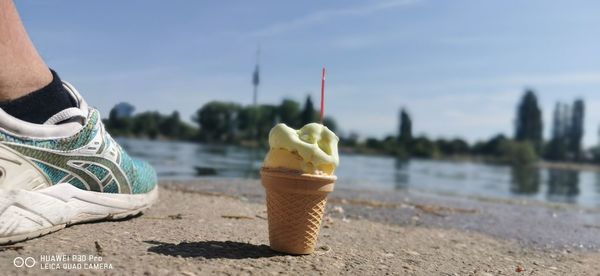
325,248
338,209
414,253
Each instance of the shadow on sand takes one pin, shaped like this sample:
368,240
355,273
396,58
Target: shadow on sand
213,250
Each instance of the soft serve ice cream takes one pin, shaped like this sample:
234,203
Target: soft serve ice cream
312,149
298,175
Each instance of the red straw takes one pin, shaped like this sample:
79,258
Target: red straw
323,95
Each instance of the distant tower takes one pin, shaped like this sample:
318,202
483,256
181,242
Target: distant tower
255,77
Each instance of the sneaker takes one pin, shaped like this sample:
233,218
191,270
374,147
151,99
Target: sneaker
68,170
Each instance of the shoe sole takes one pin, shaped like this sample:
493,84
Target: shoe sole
30,214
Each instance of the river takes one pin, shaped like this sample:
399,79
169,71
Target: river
182,160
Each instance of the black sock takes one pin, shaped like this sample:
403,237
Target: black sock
38,106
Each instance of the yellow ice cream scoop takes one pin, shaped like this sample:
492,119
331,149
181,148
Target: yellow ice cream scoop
312,149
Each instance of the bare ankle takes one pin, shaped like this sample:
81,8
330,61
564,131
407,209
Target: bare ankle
16,84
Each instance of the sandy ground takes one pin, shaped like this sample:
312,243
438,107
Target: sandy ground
192,232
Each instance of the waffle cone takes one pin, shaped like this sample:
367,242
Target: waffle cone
295,206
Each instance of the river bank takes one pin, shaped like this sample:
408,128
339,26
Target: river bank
219,226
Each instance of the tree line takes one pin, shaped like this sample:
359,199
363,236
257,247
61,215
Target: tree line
217,122
150,124
525,147
232,123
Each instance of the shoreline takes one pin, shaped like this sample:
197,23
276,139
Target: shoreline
541,164
218,226
569,166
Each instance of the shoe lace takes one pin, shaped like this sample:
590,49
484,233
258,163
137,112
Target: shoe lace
66,115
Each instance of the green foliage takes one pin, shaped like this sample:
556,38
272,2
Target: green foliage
289,111
405,128
374,143
118,126
503,150
567,132
330,123
423,147
498,149
517,153
576,129
267,117
556,149
453,147
151,125
529,121
491,147
308,115
217,121
595,151
226,122
350,140
146,124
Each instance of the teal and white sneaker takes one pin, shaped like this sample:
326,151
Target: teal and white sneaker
68,170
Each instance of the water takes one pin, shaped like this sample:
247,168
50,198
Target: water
179,160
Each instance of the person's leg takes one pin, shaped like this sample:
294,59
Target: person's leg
55,149
28,89
22,70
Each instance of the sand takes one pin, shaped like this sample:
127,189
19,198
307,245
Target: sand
198,231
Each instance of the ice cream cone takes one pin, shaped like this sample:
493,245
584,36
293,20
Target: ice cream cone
295,206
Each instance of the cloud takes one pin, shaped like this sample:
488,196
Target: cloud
324,15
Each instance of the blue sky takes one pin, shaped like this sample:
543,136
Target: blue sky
459,67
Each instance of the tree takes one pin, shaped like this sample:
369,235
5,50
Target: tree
289,113
423,147
170,126
567,132
491,147
518,153
118,125
576,129
146,124
452,147
405,128
308,115
596,150
374,143
217,121
330,123
267,117
529,121
246,122
557,147
349,141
